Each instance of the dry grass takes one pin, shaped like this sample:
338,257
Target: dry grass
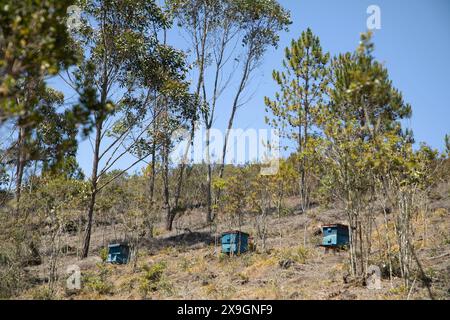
288,270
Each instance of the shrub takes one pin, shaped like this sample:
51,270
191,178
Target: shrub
298,254
99,282
104,254
153,280
42,293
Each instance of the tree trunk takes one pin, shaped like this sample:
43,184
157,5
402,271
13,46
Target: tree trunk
242,85
99,121
167,207
170,217
304,194
153,172
353,241
20,165
182,167
209,217
94,178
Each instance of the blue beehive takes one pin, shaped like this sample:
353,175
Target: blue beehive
118,253
335,235
234,242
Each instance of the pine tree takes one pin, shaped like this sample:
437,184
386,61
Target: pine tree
364,110
303,84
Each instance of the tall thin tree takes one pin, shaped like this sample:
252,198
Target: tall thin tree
303,84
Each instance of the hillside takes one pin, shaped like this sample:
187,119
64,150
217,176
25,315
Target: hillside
186,263
160,134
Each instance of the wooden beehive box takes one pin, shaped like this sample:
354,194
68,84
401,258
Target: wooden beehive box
335,236
234,242
118,253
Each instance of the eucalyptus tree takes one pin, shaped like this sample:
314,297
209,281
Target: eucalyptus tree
227,37
170,107
200,19
174,121
172,111
303,84
122,60
259,23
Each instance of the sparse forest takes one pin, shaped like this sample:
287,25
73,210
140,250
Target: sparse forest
353,160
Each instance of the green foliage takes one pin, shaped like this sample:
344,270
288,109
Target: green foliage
234,195
273,189
33,45
154,273
129,43
363,112
152,280
104,254
362,92
42,293
344,113
235,189
99,281
224,258
15,253
13,279
55,199
126,204
261,22
49,208
49,138
302,86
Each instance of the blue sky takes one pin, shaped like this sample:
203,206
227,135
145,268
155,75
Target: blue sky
413,43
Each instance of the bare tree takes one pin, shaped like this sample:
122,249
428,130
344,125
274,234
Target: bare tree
216,30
